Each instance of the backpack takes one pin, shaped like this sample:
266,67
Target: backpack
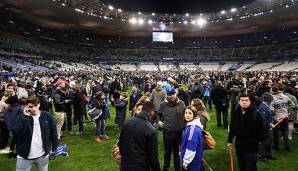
208,141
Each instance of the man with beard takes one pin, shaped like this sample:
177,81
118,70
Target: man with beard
171,120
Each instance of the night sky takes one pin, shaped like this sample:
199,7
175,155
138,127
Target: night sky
177,6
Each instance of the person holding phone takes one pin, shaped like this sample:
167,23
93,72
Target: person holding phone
36,135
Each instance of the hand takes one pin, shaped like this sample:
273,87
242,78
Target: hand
230,144
161,124
184,167
27,111
66,101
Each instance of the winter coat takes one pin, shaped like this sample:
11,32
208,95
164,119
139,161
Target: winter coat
59,99
77,101
99,104
196,91
182,95
266,114
120,107
248,128
220,98
192,146
138,145
133,99
24,131
10,117
172,114
158,95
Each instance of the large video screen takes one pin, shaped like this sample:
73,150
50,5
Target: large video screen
162,36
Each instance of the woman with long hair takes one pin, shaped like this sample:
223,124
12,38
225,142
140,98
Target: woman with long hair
202,112
192,141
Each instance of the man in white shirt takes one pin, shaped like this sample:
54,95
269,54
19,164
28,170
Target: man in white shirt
35,134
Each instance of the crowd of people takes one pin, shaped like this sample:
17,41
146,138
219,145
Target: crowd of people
37,108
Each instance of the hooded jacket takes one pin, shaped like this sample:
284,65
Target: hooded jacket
192,145
281,105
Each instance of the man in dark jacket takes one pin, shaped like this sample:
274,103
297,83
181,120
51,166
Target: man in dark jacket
138,142
171,120
248,128
220,98
36,136
60,101
265,150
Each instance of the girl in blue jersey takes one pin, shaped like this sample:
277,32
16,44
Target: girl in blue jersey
192,142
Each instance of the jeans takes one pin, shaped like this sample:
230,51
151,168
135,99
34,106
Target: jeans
247,161
42,164
207,102
171,143
68,117
291,128
100,127
283,127
78,112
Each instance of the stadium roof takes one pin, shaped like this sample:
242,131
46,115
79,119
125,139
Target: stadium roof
104,19
178,6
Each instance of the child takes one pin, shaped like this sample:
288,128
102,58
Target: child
192,142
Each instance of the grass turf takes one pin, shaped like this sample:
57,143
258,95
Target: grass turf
86,155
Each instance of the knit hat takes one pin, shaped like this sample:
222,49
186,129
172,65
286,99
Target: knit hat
171,91
267,97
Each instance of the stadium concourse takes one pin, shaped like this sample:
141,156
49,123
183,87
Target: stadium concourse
110,85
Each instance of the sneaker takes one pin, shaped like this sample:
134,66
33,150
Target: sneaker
79,133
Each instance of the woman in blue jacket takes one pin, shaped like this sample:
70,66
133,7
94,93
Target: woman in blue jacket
192,142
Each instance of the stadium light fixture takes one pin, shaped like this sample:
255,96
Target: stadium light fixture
111,7
233,10
185,22
133,21
223,12
150,21
187,14
141,21
193,22
201,22
139,13
119,10
153,14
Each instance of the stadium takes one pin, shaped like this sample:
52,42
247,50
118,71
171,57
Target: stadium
108,57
